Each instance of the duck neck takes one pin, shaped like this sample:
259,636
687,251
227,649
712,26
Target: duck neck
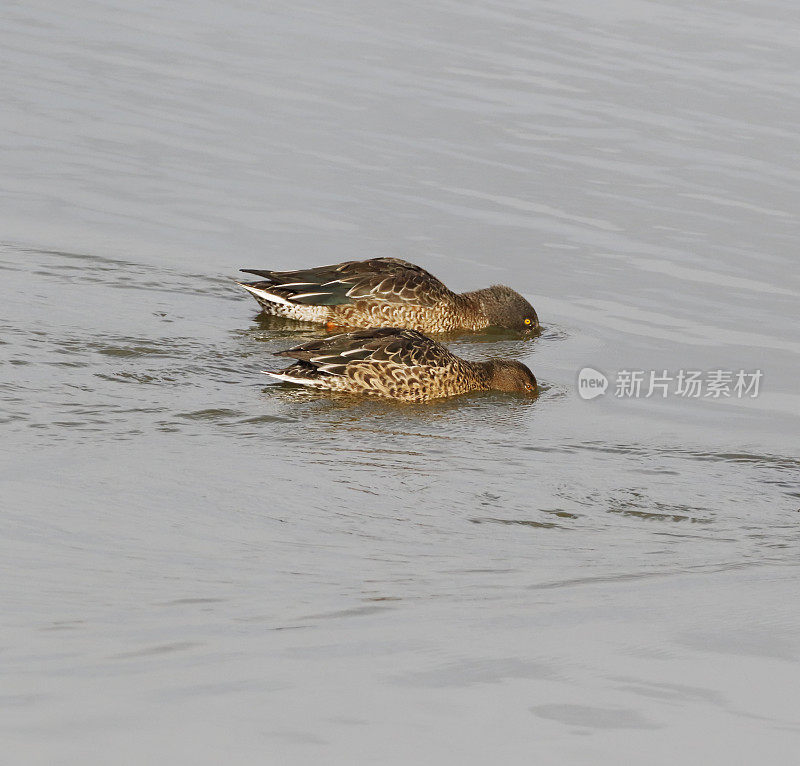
483,373
476,304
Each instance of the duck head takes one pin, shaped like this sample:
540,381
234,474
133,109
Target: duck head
506,308
511,376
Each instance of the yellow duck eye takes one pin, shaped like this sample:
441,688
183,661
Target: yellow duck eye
527,321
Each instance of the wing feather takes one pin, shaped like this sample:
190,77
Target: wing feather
390,346
387,280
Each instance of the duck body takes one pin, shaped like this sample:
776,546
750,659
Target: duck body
399,364
386,292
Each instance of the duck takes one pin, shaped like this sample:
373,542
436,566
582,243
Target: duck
387,292
400,364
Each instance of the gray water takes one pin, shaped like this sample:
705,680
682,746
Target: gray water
199,567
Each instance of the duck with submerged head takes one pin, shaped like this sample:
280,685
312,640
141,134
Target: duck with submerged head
387,292
398,364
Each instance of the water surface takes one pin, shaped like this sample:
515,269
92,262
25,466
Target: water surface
202,567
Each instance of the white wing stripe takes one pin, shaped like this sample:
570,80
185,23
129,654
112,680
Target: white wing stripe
265,295
300,381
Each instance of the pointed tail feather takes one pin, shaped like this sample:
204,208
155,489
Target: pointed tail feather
263,273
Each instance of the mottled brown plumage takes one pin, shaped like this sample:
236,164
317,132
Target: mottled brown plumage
398,364
387,292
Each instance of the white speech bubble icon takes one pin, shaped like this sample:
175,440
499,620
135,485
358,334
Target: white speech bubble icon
591,383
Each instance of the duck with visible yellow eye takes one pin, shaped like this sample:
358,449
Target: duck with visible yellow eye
398,364
387,292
